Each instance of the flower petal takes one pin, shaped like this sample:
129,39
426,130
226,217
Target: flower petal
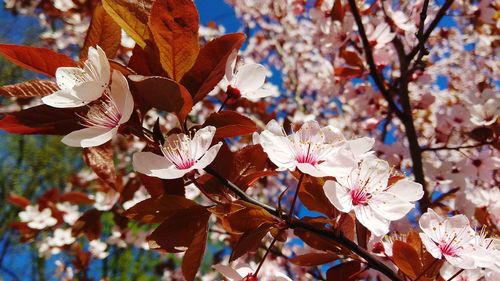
375,223
202,140
461,261
230,273
430,246
63,99
430,223
309,169
89,137
155,165
374,173
277,149
120,93
338,196
231,64
361,146
208,157
389,206
255,95
407,190
250,77
68,77
88,91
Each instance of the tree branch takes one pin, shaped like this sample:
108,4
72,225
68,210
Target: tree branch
371,62
294,223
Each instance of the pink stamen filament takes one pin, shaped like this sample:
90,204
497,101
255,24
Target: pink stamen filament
180,153
359,196
103,113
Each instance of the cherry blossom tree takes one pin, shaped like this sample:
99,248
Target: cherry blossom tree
375,158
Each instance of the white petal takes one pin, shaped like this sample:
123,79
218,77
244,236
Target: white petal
309,169
461,261
105,69
231,64
202,140
250,77
338,196
277,149
208,157
371,220
310,131
339,163
389,206
275,128
155,165
120,93
333,135
63,99
407,190
89,91
430,246
374,173
278,276
430,223
89,137
230,273
361,146
68,77
255,95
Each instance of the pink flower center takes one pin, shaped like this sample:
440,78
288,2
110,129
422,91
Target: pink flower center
359,196
102,113
305,153
448,249
180,153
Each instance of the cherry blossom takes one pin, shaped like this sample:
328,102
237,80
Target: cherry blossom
449,237
247,81
245,273
80,86
61,237
104,116
313,150
98,249
37,219
181,155
365,190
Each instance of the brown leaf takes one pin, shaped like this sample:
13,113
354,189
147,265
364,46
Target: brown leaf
174,25
210,65
162,93
33,88
40,60
337,11
313,197
344,271
249,164
155,210
250,241
156,186
41,119
194,255
103,31
230,124
100,160
132,16
76,197
179,229
314,259
89,224
18,200
247,218
406,259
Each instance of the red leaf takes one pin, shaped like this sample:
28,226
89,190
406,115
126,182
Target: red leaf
132,16
210,65
179,229
89,224
33,88
337,11
75,197
230,124
313,197
250,241
100,160
157,187
194,254
344,271
155,210
174,25
314,259
103,31
406,259
40,60
41,119
162,93
18,200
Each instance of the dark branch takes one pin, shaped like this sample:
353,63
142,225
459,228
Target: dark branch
297,223
371,62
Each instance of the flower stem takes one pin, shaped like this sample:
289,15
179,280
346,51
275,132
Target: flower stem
292,208
223,103
265,255
456,274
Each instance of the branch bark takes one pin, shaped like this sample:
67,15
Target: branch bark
295,222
